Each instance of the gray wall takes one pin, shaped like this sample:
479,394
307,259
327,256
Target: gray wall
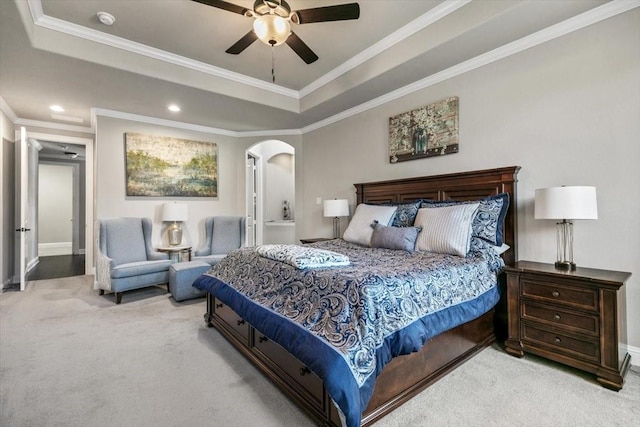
7,184
566,111
110,180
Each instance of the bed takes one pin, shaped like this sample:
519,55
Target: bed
285,319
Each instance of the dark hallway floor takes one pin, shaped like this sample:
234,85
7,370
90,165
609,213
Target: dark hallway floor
53,267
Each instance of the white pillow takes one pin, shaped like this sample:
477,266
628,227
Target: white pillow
446,230
359,230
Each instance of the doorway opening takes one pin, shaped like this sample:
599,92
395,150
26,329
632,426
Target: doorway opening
60,211
270,193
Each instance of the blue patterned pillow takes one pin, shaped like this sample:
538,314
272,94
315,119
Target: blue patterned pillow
405,214
489,221
388,237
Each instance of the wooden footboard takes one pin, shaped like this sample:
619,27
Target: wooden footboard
401,379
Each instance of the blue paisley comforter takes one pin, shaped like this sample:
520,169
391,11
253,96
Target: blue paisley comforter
346,323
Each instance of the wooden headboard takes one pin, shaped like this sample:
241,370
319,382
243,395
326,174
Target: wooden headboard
470,185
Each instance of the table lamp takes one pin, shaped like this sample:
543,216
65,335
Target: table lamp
174,212
566,203
336,208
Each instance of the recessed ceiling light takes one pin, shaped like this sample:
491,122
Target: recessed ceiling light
173,108
57,108
106,18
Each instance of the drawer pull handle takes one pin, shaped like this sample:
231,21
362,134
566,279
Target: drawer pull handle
219,305
263,339
556,317
557,340
240,322
304,371
555,294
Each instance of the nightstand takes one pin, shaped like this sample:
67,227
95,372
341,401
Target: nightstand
314,240
572,317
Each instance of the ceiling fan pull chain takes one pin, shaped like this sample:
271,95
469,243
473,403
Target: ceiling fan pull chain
273,64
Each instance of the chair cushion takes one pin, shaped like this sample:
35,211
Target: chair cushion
124,240
139,268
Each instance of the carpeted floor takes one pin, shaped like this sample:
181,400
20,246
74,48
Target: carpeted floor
69,357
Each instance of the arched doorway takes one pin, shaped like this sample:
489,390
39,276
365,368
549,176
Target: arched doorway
270,193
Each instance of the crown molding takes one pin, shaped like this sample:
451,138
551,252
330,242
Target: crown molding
428,18
95,112
433,15
4,107
52,125
55,24
600,13
593,16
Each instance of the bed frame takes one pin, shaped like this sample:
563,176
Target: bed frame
404,376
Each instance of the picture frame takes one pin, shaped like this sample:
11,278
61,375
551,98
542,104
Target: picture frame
162,166
427,131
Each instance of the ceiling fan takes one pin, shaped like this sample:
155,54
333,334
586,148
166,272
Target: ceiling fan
272,24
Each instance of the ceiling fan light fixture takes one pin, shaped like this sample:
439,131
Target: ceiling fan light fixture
272,30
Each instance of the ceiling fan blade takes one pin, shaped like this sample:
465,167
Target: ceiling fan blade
243,43
301,48
224,5
341,12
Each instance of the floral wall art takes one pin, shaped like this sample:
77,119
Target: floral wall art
160,166
427,131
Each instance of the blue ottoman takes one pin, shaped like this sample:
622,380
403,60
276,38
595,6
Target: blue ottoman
181,277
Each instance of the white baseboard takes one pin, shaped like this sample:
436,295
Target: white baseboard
57,248
82,251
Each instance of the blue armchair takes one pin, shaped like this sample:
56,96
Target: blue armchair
125,258
224,234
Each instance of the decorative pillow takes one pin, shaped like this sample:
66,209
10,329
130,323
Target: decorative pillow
359,229
489,221
406,213
447,229
389,237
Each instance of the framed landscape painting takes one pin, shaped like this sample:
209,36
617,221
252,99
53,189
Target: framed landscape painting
160,166
427,131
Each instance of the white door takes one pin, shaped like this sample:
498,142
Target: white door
23,205
251,200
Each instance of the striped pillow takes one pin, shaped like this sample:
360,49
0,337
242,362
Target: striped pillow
446,230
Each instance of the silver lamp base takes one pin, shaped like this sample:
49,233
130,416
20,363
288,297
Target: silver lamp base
564,242
175,234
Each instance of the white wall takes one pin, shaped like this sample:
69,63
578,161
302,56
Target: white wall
566,111
55,209
110,180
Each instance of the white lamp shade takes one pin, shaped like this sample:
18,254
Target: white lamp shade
174,212
568,202
336,207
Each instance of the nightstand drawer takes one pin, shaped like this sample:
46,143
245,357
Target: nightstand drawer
585,298
585,348
577,322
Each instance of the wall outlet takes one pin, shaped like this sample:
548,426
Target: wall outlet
318,201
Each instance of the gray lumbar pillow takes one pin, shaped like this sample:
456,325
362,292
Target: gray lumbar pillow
401,238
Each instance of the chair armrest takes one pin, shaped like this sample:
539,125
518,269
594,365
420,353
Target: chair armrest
104,265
